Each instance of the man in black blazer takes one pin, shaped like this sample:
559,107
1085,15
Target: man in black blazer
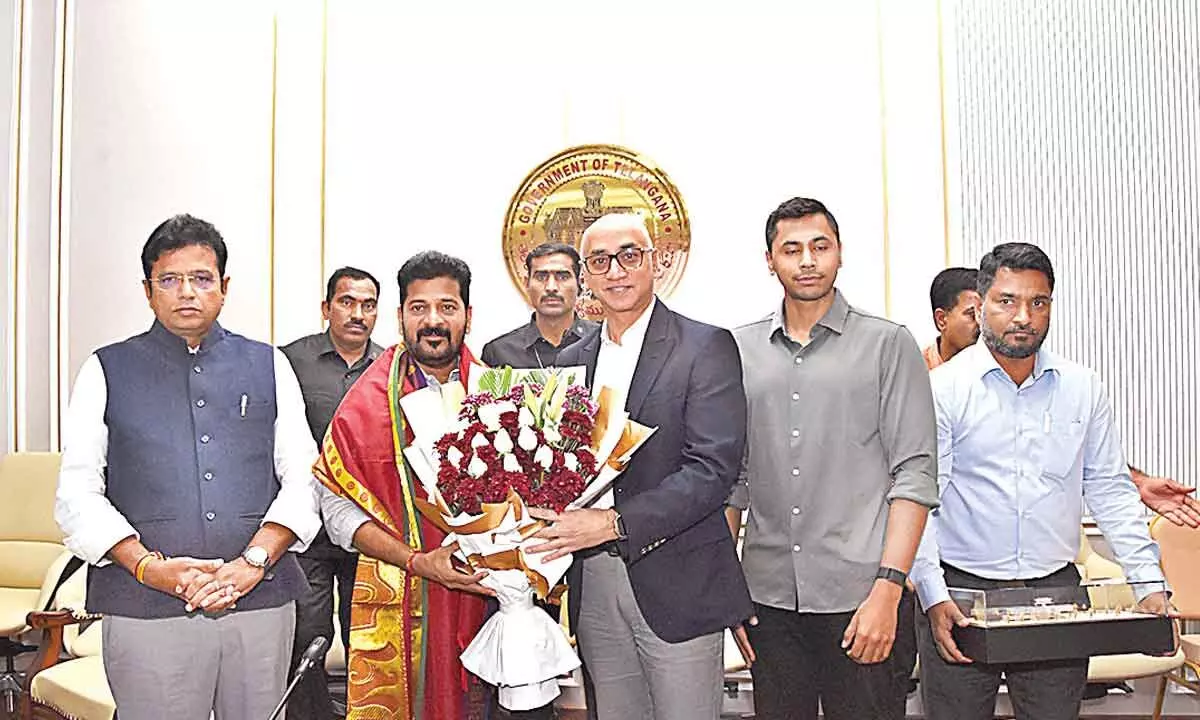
656,577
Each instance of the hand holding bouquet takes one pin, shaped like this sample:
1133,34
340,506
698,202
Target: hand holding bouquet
521,438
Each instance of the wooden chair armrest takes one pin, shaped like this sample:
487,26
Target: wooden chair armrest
54,619
50,649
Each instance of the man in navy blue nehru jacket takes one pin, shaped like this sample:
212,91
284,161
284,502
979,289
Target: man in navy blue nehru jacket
186,479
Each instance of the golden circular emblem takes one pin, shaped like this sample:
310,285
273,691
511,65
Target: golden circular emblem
567,193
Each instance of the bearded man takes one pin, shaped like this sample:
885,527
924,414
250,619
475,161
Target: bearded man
413,612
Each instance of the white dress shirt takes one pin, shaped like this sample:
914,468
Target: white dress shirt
615,366
1015,467
92,524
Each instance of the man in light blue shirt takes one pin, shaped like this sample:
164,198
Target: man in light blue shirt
1025,438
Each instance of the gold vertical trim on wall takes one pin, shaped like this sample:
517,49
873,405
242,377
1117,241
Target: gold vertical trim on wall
15,244
883,153
941,56
271,231
324,119
60,254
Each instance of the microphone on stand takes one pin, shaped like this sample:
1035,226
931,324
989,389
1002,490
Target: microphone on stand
314,655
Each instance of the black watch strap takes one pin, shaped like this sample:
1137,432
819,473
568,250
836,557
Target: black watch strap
892,575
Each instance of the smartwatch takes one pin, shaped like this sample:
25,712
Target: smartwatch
892,575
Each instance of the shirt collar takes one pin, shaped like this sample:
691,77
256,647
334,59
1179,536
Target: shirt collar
530,334
636,334
433,382
833,319
216,333
984,362
325,347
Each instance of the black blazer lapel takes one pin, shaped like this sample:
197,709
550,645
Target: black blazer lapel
656,348
589,353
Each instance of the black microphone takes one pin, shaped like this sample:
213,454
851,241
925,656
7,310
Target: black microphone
314,655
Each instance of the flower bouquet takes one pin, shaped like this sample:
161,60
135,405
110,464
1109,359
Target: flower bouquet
518,438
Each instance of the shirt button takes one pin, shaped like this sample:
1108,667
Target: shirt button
196,369
208,476
795,472
799,359
204,438
200,402
211,515
795,548
795,432
795,511
795,396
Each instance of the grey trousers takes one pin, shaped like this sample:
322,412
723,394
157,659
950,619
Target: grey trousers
234,665
637,675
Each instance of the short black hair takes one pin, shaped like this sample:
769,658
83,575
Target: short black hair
553,248
183,231
1014,256
794,209
432,264
352,273
949,284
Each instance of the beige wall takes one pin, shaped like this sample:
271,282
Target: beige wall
377,129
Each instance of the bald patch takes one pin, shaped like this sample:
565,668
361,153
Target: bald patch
631,223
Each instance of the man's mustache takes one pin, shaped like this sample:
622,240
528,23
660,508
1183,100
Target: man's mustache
356,324
433,332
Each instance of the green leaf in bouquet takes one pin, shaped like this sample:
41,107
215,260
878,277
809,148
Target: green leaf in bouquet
488,380
547,393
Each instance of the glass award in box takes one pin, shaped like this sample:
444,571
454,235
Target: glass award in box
1029,624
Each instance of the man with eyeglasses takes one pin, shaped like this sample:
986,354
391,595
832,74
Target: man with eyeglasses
552,280
186,480
656,579
327,364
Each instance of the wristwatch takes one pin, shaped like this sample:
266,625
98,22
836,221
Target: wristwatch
256,556
892,575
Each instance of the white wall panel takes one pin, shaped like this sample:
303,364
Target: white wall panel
9,59
435,117
1078,129
170,112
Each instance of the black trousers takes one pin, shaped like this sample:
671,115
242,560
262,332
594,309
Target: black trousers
1038,691
801,665
326,566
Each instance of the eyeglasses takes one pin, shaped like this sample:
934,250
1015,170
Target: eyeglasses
172,282
629,258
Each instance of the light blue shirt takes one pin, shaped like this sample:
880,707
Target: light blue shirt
1015,466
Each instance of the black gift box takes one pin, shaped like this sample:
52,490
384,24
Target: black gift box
1062,640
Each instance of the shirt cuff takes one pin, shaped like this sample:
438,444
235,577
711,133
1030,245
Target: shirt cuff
1147,580
931,589
295,509
93,549
342,519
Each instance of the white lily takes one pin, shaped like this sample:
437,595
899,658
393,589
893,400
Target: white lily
527,439
571,462
477,467
489,415
454,456
511,464
525,417
544,456
503,443
479,440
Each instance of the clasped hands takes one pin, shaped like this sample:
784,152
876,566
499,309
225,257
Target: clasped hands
211,585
